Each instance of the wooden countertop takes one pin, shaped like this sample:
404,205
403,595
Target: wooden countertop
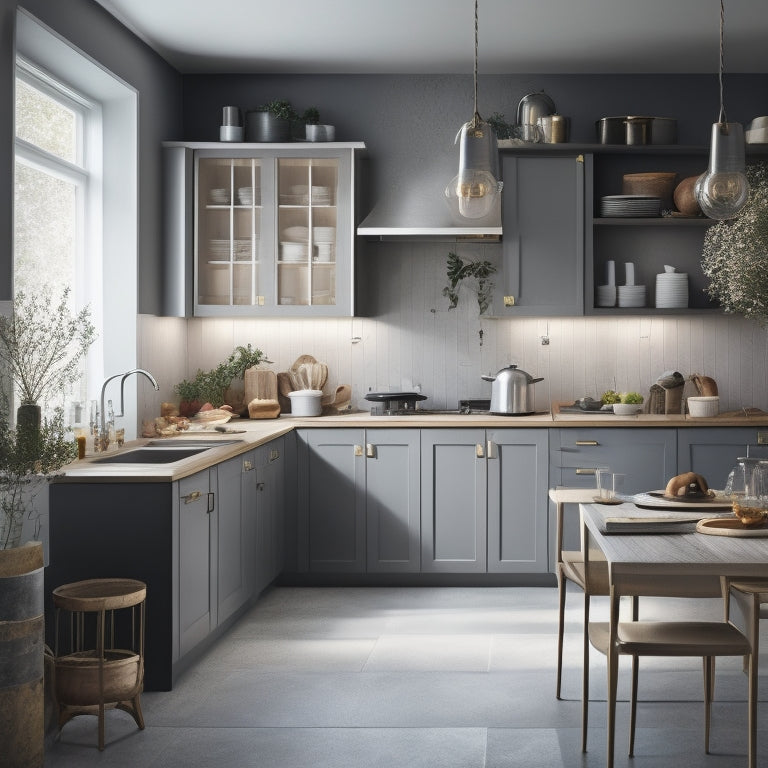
260,431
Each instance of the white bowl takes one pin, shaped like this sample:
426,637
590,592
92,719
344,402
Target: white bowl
701,407
627,409
306,402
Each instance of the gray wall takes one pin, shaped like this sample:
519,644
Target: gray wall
88,27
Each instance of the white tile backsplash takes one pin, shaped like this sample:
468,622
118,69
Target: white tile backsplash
412,339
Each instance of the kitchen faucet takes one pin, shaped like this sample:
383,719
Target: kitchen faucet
103,434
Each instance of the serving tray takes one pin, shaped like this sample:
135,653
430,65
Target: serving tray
730,526
658,500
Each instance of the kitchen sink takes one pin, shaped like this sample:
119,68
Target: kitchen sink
150,456
182,443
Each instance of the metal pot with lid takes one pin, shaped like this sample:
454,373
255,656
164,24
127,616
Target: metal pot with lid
512,391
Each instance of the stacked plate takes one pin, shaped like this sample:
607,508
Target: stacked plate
321,195
290,251
631,295
324,234
295,234
219,196
632,206
241,249
324,251
671,290
219,250
247,195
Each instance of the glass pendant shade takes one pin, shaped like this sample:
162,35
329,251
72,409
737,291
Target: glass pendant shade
476,187
723,190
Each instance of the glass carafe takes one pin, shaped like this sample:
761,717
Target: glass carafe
748,487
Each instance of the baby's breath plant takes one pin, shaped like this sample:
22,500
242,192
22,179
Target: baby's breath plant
42,344
735,255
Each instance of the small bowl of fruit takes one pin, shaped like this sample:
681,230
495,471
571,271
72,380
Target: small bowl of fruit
624,404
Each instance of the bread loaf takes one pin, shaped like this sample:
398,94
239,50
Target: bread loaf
263,409
688,484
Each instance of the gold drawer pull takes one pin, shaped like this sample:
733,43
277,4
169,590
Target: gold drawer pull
190,497
586,470
587,442
274,454
247,465
479,452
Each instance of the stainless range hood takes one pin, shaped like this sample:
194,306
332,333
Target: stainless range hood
420,212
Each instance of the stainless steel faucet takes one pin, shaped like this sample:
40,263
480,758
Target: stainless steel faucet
123,377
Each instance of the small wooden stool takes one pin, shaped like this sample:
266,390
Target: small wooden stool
93,677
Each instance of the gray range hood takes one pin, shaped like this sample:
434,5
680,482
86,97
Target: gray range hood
419,214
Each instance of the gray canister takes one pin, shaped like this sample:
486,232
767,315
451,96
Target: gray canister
231,128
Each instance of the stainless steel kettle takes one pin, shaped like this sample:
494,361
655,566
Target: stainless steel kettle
512,391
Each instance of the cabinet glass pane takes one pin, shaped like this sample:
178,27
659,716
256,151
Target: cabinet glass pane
228,231
307,220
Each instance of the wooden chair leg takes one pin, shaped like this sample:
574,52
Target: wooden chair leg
561,585
633,705
585,676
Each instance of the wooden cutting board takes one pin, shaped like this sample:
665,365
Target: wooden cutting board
260,385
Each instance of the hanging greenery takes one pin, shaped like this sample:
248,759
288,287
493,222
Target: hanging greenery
735,255
459,270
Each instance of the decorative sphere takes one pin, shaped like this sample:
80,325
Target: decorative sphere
685,199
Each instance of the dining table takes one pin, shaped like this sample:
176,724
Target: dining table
662,554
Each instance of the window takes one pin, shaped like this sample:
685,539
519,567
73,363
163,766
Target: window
55,197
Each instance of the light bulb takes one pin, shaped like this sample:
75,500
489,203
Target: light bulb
475,188
723,190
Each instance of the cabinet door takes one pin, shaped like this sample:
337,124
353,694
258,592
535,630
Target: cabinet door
232,589
270,517
517,500
647,458
250,501
543,220
331,482
712,452
393,521
197,559
453,501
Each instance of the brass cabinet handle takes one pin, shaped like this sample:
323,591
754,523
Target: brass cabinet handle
587,442
358,450
491,450
370,450
479,451
191,497
586,470
274,454
247,465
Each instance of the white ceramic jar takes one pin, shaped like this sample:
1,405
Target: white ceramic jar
306,402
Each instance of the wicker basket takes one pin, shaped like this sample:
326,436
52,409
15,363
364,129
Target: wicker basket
77,677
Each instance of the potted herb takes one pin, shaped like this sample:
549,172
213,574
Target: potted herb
478,272
313,129
271,122
220,385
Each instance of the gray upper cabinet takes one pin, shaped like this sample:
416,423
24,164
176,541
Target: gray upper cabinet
259,229
517,500
453,501
543,243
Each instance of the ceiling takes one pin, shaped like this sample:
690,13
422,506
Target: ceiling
437,36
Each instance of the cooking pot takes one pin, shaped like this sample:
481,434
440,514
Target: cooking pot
512,393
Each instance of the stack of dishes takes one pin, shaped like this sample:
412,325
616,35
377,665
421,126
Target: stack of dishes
631,295
295,234
247,195
632,206
242,249
324,234
219,196
290,251
219,250
671,290
321,195
324,251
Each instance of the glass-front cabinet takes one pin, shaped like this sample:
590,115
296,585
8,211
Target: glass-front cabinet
271,229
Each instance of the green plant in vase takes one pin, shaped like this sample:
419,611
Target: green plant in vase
478,272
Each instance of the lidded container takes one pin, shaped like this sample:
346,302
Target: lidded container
512,392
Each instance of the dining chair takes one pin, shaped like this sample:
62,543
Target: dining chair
707,639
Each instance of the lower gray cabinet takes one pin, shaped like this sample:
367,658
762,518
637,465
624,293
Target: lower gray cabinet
712,452
646,456
198,558
517,461
331,499
392,504
453,501
268,554
358,500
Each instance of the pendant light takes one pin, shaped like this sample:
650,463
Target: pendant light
723,190
476,187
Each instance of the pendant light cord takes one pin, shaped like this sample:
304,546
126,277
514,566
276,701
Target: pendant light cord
722,118
476,119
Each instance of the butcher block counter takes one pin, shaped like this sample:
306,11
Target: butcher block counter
245,434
